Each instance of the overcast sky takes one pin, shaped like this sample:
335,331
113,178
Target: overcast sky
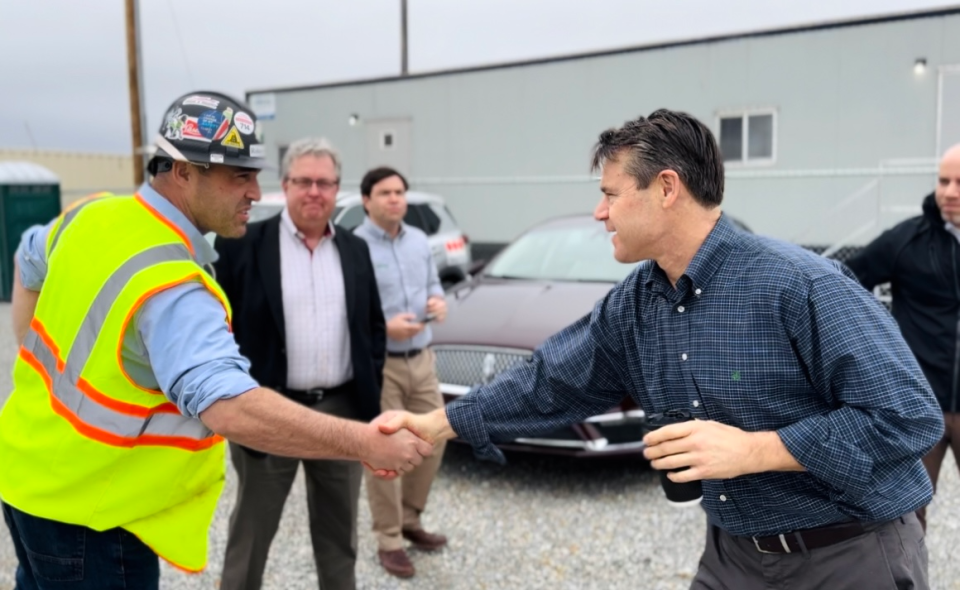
63,78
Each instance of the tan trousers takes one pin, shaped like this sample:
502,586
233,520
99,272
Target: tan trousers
934,459
408,384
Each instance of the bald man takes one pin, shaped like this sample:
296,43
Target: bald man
920,258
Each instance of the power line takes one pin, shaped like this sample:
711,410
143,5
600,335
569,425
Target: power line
183,51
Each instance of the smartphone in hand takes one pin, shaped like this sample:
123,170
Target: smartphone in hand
428,318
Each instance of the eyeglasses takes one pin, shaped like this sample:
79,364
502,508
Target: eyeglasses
323,184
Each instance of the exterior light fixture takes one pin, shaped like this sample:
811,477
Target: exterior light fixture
920,66
353,120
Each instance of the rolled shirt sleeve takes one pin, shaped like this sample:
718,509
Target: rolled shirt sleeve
571,376
31,256
191,350
885,413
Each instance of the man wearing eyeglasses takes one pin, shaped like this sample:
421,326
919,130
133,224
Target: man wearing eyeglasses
307,314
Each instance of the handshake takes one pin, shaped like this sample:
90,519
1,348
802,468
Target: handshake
397,441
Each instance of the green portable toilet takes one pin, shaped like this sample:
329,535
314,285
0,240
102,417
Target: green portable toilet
29,195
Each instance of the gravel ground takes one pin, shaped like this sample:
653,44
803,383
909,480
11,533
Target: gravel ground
534,523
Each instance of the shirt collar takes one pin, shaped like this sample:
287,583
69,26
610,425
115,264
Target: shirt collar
381,233
203,251
288,223
707,261
954,230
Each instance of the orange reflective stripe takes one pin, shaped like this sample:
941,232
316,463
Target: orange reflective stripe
223,302
139,302
182,568
29,358
124,407
84,200
42,332
111,421
166,222
100,435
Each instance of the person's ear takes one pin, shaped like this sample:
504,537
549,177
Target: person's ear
183,172
670,185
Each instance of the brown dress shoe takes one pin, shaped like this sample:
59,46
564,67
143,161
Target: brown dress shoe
423,540
396,563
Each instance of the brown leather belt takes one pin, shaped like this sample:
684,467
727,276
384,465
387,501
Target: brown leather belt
812,538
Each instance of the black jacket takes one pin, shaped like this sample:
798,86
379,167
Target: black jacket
919,258
249,272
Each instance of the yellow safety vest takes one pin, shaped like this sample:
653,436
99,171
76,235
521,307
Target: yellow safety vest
80,442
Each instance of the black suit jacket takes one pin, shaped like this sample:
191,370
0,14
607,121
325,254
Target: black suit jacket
249,272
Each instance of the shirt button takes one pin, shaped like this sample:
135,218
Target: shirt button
696,403
683,357
723,498
697,292
681,309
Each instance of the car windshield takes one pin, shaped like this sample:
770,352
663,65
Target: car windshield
570,253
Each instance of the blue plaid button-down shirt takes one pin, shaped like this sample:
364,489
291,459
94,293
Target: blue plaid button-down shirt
757,334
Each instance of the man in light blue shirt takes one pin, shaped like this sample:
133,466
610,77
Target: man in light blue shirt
412,297
180,343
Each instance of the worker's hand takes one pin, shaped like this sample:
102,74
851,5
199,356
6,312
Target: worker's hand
437,306
403,326
432,428
713,450
389,455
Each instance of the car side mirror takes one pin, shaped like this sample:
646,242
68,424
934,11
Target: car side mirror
476,267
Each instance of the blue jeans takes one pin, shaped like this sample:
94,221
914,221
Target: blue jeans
59,556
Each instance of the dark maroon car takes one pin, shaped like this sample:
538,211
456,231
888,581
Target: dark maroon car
545,280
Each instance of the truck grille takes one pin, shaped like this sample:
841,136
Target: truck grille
473,365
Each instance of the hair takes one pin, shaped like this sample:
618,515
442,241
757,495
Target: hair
309,146
376,175
666,140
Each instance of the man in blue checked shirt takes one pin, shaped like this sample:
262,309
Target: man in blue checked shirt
811,413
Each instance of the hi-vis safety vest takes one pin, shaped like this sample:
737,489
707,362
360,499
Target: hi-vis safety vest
80,442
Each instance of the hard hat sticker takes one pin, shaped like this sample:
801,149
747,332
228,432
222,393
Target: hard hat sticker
216,158
244,123
191,130
232,139
222,130
173,128
210,122
204,101
258,150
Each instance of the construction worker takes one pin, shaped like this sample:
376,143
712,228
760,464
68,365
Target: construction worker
128,378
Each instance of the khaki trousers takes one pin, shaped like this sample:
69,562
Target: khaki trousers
934,459
333,491
408,384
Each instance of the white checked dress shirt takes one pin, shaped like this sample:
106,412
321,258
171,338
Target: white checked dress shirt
314,310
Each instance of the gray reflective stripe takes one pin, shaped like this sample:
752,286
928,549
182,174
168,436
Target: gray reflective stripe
86,337
66,221
95,414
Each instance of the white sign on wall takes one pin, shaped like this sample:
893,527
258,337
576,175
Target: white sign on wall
264,106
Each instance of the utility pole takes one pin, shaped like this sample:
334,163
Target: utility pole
403,37
136,84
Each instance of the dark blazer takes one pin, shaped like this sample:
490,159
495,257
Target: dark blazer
249,272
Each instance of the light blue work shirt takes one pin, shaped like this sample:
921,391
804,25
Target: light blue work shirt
179,341
406,276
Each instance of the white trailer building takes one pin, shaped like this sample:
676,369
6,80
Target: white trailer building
830,132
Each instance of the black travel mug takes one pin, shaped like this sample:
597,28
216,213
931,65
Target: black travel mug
678,494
